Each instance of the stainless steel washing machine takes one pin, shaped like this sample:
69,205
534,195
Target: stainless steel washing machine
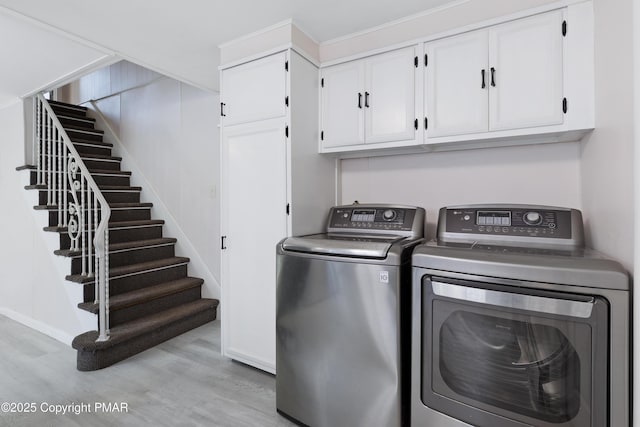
342,318
517,324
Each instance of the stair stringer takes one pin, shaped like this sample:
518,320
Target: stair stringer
184,247
50,312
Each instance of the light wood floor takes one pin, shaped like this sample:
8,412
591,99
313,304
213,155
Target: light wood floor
182,382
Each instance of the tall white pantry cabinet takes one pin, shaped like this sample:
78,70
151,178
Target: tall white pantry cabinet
274,184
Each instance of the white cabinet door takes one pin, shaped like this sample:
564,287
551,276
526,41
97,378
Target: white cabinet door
456,89
254,91
390,96
525,57
254,220
342,105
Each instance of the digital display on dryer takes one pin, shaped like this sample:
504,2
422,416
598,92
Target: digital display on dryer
499,218
363,215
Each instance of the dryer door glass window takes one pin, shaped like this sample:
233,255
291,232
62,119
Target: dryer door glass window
494,356
523,367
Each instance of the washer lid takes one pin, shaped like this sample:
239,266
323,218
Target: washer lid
339,244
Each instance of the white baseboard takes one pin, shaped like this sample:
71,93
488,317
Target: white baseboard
39,326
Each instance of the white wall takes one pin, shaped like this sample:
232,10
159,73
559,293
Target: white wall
607,155
170,131
438,20
32,286
544,174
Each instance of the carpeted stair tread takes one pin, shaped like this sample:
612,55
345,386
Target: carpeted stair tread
91,142
82,129
85,119
119,188
109,172
129,270
85,156
149,293
99,157
26,167
113,206
36,187
116,225
115,247
144,325
86,122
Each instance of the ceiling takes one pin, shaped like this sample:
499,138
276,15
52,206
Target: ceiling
179,39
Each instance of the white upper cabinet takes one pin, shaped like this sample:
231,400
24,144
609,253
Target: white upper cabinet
342,105
456,85
390,96
525,58
369,101
254,90
506,77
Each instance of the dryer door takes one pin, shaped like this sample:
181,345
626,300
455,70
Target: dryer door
502,356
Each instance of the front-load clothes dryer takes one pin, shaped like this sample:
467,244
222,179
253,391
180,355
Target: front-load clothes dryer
342,318
516,324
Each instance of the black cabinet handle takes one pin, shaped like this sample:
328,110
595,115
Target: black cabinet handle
222,104
493,77
483,82
359,100
366,99
222,242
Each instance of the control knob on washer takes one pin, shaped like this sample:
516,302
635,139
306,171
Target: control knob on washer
389,215
532,218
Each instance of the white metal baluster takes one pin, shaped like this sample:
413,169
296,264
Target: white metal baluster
39,140
65,191
43,143
83,229
97,255
61,148
50,164
106,281
34,133
89,231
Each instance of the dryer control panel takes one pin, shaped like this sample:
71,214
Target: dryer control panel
377,219
515,225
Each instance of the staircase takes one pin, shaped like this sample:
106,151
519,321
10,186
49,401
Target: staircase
151,297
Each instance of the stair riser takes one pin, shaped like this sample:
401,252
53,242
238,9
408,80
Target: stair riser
110,196
121,285
133,234
117,317
91,361
124,235
81,149
110,165
101,180
93,164
137,256
117,215
75,134
61,110
131,215
84,149
81,122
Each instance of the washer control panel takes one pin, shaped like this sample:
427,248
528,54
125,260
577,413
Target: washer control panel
511,224
388,219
